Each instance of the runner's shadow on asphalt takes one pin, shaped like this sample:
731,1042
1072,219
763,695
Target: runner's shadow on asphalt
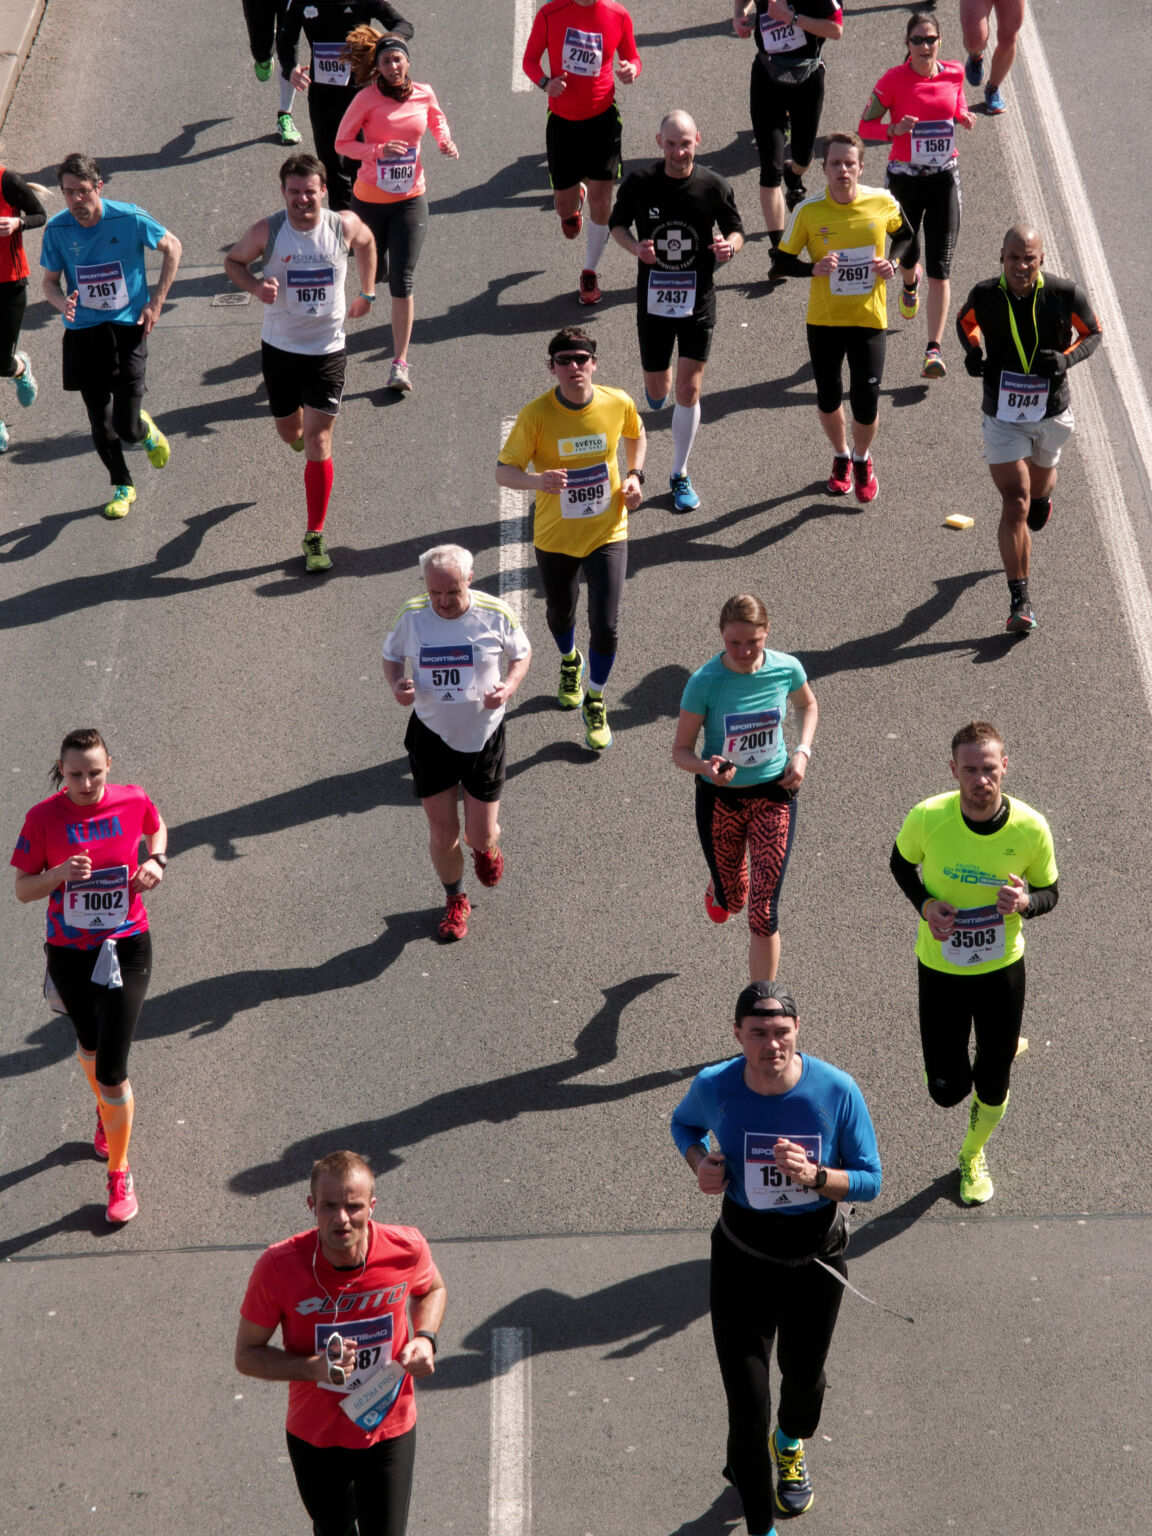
718,1520
631,1315
499,1100
91,1220
188,421
721,28
521,180
34,538
203,1007
63,1156
894,1223
180,150
387,559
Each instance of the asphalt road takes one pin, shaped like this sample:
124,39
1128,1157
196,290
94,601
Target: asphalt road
513,1091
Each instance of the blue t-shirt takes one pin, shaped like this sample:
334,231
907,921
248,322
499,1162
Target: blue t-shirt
825,1113
104,264
744,713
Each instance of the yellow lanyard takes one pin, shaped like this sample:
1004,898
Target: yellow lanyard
1025,363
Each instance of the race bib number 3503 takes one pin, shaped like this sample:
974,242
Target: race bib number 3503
977,938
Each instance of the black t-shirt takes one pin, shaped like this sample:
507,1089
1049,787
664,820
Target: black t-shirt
765,30
678,214
330,22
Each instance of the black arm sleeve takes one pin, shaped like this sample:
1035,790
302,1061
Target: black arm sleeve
907,878
1041,899
1083,312
900,242
784,264
19,195
393,21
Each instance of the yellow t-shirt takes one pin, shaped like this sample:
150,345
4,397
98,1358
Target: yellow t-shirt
967,869
548,435
853,295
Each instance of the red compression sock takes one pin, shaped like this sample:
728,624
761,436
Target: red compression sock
317,488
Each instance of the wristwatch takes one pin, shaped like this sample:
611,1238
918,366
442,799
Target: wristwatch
426,1333
639,473
821,1178
160,858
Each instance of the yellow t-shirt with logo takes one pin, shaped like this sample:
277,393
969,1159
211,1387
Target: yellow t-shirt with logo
967,869
550,435
853,295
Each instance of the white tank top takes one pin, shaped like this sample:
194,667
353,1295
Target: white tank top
309,266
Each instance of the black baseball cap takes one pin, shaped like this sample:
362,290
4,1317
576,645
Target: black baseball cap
760,991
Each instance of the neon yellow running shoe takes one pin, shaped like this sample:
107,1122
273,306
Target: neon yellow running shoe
597,734
122,498
793,1492
155,443
975,1181
570,694
316,556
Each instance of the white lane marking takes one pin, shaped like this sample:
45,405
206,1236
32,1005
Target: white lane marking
515,545
521,26
1094,438
510,1474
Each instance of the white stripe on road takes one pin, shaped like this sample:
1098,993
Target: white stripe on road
515,548
1112,510
510,1478
521,26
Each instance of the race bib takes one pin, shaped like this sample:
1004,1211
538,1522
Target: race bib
1023,397
311,290
780,36
100,903
856,271
977,938
102,287
933,143
370,1404
583,52
397,173
751,738
328,68
448,673
766,1187
672,295
588,491
372,1338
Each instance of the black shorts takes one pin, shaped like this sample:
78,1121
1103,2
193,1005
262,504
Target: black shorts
864,348
398,230
106,356
437,766
658,336
588,150
783,114
293,379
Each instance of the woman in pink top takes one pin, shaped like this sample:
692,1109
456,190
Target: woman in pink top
80,848
923,100
393,112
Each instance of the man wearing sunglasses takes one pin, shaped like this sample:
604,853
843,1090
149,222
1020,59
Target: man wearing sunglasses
791,1140
570,435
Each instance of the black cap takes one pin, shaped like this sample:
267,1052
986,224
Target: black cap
758,991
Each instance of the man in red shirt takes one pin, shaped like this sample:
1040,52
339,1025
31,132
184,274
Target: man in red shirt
341,1294
582,37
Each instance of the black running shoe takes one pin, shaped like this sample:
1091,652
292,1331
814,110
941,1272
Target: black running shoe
1039,511
1021,619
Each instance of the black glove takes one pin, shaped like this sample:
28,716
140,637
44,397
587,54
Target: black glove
974,363
1050,365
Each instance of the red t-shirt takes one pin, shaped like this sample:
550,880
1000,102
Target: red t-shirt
110,833
935,98
295,1288
581,41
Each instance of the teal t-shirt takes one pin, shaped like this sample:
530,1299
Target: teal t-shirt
744,713
103,265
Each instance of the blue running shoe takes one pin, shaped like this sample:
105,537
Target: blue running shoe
684,498
26,386
974,69
994,103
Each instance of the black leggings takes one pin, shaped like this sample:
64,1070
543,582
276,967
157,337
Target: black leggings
828,346
753,1301
775,108
106,364
398,230
327,104
13,303
604,572
347,1491
951,1007
933,201
104,1017
260,16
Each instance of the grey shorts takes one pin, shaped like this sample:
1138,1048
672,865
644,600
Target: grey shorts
1038,441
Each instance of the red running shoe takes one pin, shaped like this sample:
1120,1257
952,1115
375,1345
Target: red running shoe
488,864
589,290
454,924
100,1141
122,1204
840,480
715,911
866,482
573,224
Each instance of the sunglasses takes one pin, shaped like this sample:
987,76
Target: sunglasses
923,42
579,358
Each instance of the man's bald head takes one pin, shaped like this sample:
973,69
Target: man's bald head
678,121
1023,234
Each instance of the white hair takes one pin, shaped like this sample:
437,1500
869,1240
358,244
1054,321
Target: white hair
448,556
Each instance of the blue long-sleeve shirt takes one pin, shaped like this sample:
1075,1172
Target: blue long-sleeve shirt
825,1112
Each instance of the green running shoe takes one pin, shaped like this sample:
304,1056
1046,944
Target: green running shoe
263,71
122,498
155,443
975,1181
596,732
316,556
570,694
297,446
289,133
793,1487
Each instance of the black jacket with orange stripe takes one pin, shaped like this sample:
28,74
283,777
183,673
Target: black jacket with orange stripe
1068,333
